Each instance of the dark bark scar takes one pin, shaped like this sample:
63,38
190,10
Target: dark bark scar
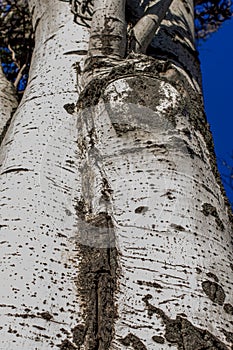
183,333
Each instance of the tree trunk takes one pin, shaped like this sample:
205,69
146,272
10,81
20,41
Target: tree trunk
115,229
38,184
8,103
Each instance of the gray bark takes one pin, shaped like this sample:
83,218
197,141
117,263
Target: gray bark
8,103
145,29
122,238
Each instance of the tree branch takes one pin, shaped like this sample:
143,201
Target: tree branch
19,75
108,30
145,29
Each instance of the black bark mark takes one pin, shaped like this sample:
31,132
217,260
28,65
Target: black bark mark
141,210
46,315
134,341
76,52
69,107
183,333
150,284
178,227
214,291
228,308
15,170
209,209
212,275
158,339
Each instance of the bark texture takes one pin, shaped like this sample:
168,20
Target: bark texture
170,224
8,103
115,230
39,161
149,169
145,29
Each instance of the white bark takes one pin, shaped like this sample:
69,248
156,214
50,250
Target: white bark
114,231
8,102
162,193
38,184
169,238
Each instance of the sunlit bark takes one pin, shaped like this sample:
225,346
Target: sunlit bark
115,229
38,184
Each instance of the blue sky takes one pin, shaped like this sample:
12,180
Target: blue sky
216,56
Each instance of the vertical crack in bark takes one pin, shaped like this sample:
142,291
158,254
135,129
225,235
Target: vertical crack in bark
96,282
6,126
96,286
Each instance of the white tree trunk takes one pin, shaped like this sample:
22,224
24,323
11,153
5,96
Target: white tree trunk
38,183
171,225
115,233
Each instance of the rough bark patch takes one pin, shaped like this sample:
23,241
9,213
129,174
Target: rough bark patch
228,335
131,67
183,333
121,129
67,345
134,341
79,335
228,308
96,286
214,291
209,209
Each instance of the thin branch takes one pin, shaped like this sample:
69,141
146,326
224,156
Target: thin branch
13,56
19,75
145,29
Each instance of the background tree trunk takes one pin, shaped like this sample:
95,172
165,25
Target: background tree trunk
8,103
115,230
